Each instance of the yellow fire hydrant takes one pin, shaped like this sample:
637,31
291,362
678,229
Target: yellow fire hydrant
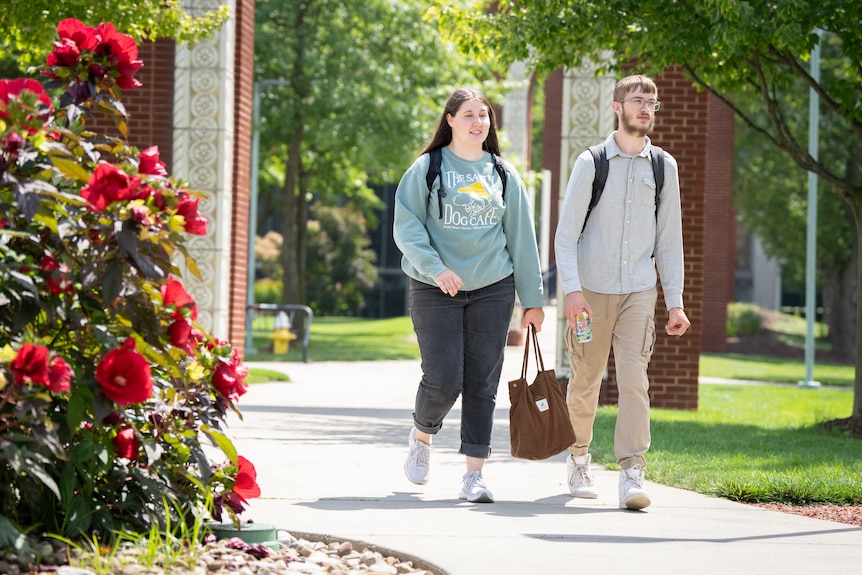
281,335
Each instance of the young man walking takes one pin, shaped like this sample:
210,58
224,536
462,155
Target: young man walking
607,264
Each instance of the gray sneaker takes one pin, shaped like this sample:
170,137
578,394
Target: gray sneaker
581,480
418,462
632,494
474,490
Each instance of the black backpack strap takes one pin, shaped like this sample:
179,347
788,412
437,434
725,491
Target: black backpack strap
435,159
600,159
501,170
658,172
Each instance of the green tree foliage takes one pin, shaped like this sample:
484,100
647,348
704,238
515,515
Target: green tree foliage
365,80
771,196
750,55
26,24
341,267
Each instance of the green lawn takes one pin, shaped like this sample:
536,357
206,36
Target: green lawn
345,339
751,367
751,443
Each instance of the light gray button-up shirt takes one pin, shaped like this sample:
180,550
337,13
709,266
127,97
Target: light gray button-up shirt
625,239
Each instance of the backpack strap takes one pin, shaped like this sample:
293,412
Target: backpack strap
657,158
600,159
501,170
435,160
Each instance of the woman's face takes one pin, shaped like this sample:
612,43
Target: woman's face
471,123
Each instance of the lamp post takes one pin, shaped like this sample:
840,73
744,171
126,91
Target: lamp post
811,234
252,224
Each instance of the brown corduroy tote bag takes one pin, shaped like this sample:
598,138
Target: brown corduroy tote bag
539,424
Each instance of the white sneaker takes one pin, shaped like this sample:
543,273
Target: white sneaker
632,494
418,462
581,480
474,490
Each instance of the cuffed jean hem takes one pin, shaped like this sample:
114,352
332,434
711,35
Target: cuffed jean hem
425,428
480,451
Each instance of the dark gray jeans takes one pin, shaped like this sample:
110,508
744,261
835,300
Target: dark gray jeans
462,340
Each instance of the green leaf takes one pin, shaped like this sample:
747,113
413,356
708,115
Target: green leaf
71,169
11,537
112,282
222,441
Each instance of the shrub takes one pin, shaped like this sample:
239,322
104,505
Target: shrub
743,319
340,263
268,291
267,255
112,397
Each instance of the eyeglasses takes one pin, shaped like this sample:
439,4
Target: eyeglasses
639,102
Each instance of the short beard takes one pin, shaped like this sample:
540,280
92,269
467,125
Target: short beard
633,131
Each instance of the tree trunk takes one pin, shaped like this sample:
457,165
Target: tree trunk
856,210
302,235
839,301
291,293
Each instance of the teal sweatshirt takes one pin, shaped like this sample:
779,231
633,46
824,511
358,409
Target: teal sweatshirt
483,237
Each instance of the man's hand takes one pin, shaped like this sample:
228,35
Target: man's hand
575,306
677,323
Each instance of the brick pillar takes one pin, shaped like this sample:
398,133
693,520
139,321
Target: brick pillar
720,233
241,176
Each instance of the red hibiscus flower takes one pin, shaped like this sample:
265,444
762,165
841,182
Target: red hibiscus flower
124,375
182,335
229,380
174,294
126,443
57,275
245,485
59,375
109,184
66,53
121,50
149,163
11,90
188,208
72,33
30,365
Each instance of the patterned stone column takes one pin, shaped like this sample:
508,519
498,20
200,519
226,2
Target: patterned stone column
587,119
203,156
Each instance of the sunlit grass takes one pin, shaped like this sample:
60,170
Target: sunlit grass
751,367
751,443
346,339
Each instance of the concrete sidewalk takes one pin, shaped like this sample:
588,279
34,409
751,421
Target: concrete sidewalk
329,448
